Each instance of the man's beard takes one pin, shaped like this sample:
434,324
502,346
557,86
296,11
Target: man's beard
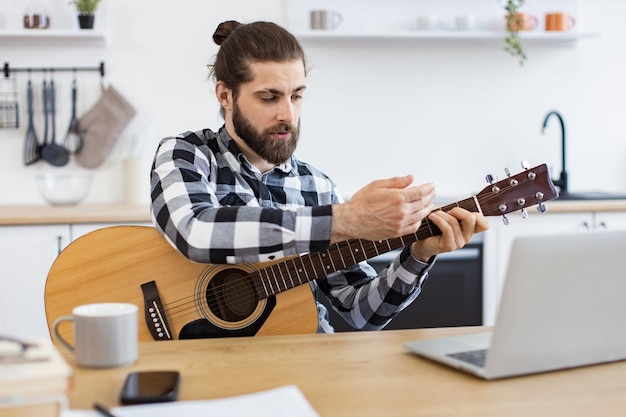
272,150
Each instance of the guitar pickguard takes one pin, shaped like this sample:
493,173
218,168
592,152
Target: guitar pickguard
225,300
203,328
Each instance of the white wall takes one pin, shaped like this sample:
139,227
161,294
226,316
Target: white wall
448,112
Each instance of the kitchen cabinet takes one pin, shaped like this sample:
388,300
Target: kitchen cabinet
26,254
500,239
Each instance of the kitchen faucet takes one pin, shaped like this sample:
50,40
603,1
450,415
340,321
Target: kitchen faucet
562,181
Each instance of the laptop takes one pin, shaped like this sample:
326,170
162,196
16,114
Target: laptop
563,305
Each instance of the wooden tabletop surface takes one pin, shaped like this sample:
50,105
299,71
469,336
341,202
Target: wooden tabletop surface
360,374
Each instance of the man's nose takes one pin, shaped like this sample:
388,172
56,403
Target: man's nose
286,112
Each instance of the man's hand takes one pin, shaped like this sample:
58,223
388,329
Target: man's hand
457,226
383,209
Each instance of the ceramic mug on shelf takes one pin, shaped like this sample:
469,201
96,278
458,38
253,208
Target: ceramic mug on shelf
325,19
465,22
559,22
428,22
105,334
523,22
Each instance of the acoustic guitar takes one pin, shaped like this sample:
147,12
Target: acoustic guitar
181,299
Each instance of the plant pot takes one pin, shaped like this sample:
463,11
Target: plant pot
85,21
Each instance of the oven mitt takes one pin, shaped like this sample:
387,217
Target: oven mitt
101,127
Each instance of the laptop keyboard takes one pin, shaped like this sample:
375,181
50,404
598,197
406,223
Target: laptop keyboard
475,357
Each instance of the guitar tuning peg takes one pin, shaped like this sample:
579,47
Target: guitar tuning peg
524,214
525,165
489,178
541,208
507,172
505,220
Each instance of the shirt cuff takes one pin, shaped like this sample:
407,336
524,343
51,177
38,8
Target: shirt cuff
313,228
414,265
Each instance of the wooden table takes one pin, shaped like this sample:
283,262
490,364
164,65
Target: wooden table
360,374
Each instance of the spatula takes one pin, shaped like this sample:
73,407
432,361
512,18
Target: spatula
52,152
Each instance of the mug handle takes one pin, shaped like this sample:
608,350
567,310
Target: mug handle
534,22
572,22
56,334
337,19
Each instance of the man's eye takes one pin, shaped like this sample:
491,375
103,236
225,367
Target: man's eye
268,99
296,97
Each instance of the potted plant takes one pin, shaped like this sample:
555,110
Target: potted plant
86,10
512,41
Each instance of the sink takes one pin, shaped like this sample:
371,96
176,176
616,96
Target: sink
589,195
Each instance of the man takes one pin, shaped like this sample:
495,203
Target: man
240,195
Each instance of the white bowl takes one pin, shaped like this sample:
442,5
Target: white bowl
63,189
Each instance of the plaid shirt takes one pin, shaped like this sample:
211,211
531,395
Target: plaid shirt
215,207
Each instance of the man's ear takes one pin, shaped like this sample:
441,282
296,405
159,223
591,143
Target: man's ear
224,95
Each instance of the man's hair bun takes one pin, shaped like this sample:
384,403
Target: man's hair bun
224,30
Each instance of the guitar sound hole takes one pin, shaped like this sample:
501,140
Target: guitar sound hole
230,296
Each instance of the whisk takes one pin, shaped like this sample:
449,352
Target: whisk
73,138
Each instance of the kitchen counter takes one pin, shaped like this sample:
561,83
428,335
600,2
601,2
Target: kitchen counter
13,215
574,206
125,213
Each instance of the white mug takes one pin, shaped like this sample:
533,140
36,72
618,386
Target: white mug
325,19
428,22
465,22
105,334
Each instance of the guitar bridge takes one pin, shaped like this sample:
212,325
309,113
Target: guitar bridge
155,313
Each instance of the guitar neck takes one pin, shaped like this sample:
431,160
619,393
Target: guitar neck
299,270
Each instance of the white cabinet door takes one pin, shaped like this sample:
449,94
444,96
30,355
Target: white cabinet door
26,255
609,220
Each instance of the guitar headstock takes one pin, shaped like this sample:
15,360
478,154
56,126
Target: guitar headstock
530,187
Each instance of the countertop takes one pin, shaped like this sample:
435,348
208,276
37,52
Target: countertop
14,215
573,206
125,213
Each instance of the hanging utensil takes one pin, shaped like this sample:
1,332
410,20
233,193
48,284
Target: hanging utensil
73,141
31,143
52,152
9,111
44,100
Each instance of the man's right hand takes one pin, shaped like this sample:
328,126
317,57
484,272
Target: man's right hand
383,209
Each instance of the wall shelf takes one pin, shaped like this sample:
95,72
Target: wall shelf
34,36
559,39
396,20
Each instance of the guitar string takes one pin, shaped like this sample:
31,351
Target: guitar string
183,305
235,301
212,301
174,308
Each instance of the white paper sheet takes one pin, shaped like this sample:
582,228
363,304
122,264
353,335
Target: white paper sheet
287,401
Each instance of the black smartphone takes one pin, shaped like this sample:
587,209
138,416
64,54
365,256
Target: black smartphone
150,387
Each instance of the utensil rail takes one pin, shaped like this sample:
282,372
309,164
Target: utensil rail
7,69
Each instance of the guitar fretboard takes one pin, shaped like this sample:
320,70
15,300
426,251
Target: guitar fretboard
305,268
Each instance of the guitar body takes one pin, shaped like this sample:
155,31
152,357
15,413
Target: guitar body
112,264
